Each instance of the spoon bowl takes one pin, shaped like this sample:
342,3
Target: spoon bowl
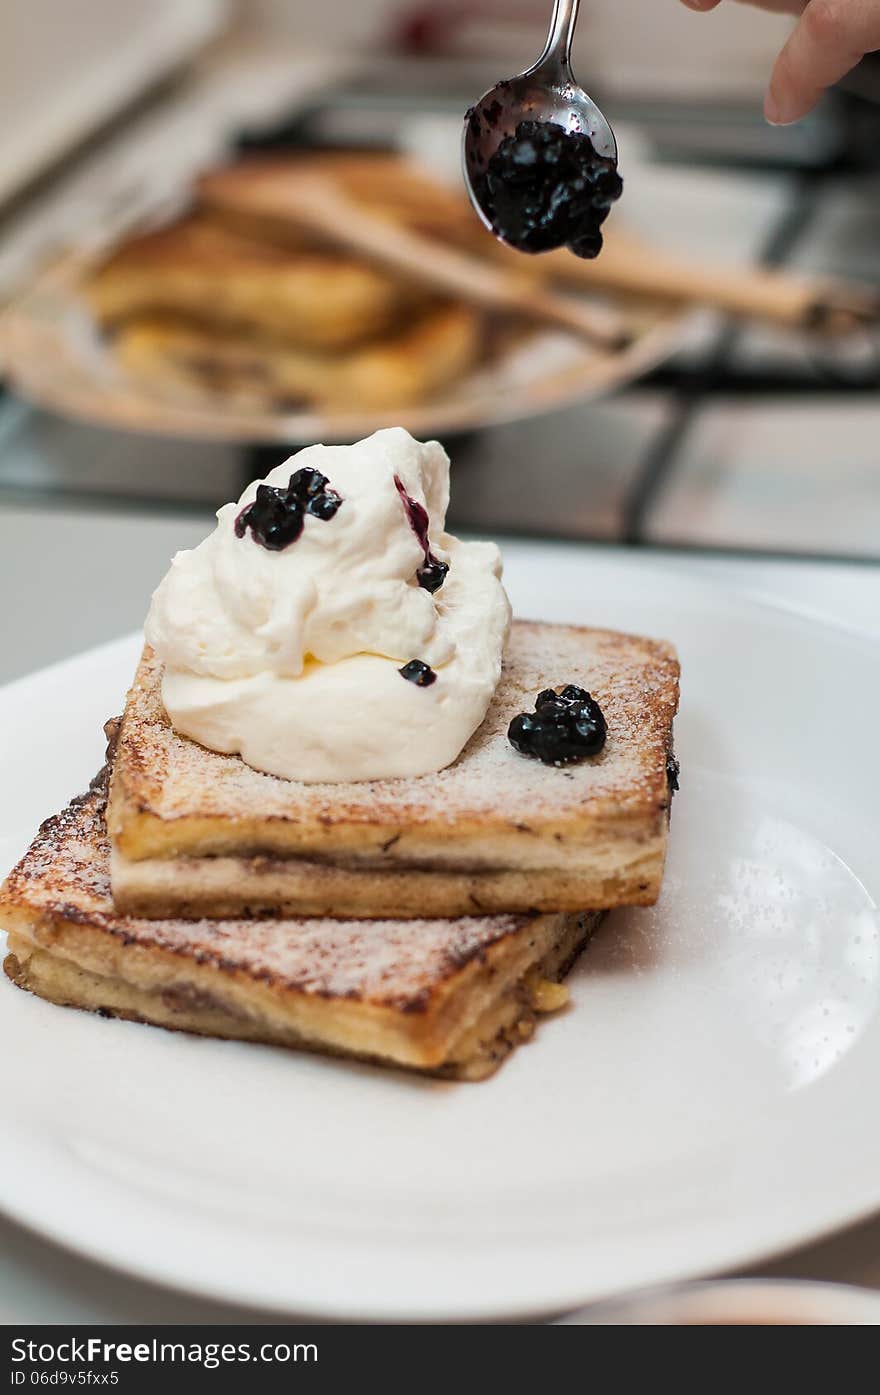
546,92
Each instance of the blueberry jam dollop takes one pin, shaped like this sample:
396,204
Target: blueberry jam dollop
276,516
432,573
566,726
419,673
546,187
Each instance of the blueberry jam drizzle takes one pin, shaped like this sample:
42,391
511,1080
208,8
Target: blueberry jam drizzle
419,673
546,187
567,725
432,574
673,771
276,516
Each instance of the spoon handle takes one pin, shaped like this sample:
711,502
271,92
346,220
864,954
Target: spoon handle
634,268
557,50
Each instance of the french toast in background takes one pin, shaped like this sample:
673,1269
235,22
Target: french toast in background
234,303
240,303
251,310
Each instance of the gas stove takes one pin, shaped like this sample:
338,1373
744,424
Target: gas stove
747,441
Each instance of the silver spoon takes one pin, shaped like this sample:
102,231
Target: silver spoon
545,92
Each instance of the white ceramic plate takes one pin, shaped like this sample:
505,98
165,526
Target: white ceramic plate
709,1098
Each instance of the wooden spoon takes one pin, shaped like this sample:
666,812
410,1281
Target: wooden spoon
315,203
632,266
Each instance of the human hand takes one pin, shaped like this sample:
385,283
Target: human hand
829,39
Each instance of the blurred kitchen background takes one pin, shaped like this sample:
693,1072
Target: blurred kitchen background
726,434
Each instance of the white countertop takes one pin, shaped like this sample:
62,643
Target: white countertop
88,576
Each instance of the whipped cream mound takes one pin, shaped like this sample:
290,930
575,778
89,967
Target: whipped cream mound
292,658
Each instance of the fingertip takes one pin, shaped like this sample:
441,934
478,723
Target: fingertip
772,111
781,110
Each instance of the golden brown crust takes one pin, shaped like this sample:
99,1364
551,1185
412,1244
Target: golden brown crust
507,1021
422,994
491,811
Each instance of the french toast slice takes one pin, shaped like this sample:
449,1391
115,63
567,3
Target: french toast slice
226,278
198,833
189,358
448,997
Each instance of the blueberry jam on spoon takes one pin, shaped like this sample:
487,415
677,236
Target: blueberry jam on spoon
540,159
432,574
547,187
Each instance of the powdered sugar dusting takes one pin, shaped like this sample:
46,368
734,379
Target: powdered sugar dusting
634,680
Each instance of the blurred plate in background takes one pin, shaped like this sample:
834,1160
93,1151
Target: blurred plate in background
55,357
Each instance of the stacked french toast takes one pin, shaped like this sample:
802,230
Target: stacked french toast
421,921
